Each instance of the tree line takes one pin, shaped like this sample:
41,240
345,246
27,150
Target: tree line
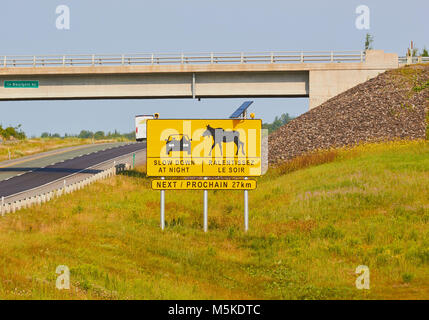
277,123
97,135
17,133
12,133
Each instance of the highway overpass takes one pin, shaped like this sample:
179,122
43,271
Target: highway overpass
317,75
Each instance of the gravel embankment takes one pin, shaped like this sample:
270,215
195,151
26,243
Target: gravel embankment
393,105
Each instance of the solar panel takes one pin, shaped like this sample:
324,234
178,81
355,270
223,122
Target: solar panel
237,113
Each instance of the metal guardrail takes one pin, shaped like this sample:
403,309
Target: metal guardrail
413,60
56,188
184,58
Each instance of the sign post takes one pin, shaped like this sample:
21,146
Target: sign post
205,209
246,209
162,204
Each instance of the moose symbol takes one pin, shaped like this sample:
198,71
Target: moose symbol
220,135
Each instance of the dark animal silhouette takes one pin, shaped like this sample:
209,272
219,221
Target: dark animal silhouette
223,136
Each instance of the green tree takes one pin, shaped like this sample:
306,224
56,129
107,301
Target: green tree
99,135
425,52
369,39
277,123
15,132
412,53
85,134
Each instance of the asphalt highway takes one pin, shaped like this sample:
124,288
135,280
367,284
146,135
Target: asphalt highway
15,167
36,177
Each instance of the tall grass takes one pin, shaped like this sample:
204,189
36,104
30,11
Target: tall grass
310,227
307,160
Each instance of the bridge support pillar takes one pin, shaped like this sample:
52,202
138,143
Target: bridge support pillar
327,83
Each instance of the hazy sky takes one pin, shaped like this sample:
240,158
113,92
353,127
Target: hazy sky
133,26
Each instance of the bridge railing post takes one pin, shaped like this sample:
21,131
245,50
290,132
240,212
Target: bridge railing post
4,62
302,56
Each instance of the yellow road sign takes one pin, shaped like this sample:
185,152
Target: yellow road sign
203,184
203,147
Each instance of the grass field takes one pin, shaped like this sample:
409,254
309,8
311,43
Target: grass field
21,148
312,222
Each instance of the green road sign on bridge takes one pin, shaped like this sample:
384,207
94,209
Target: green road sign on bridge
21,84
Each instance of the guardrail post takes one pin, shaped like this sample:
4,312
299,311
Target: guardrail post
162,207
2,206
205,209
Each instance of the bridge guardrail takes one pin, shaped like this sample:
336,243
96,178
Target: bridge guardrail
184,58
413,60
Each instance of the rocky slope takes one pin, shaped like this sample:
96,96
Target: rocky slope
393,105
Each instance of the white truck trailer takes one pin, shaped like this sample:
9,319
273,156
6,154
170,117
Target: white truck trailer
141,126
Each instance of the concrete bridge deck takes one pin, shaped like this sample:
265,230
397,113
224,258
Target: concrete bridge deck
89,77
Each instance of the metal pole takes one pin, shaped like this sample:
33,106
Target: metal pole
246,209
205,209
162,207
